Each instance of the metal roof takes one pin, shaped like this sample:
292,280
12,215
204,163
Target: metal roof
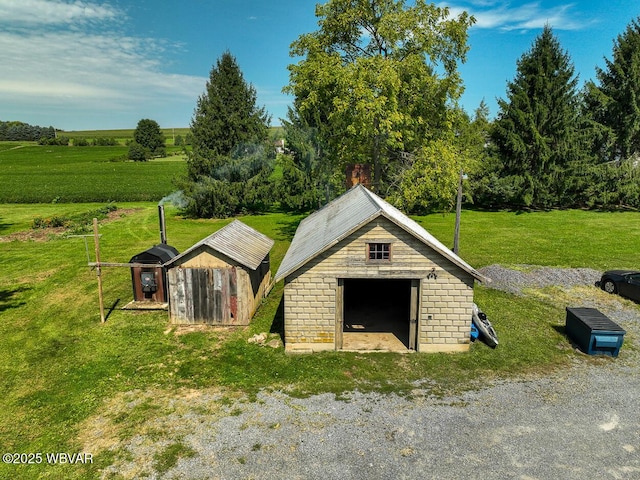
160,253
237,241
343,216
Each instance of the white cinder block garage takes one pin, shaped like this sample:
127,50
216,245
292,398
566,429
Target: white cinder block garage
361,275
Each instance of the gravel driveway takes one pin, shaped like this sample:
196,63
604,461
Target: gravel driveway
584,422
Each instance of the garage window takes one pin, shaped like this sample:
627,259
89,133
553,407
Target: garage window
379,252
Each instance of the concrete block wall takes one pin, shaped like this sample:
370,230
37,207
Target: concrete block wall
444,318
310,313
445,313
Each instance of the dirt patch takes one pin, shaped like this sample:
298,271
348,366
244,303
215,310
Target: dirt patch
34,235
185,329
50,233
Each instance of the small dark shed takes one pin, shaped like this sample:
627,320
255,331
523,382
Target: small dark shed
150,281
221,279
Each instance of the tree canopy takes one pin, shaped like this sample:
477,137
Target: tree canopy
378,78
149,135
148,141
226,116
23,131
614,101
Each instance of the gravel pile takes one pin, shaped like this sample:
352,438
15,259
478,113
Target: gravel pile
528,276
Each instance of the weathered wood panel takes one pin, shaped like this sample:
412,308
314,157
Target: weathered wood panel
203,295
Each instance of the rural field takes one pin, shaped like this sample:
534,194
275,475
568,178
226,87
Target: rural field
72,384
30,173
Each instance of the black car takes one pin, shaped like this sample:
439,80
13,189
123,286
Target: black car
622,282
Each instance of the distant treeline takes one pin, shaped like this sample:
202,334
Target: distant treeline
11,131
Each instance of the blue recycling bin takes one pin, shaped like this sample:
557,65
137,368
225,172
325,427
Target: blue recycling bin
594,332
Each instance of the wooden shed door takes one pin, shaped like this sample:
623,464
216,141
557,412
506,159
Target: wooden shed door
203,295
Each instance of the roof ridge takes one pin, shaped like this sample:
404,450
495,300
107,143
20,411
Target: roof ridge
362,197
373,198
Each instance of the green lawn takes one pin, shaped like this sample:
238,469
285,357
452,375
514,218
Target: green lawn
573,238
59,366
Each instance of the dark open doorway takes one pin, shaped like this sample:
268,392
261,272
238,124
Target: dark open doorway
376,314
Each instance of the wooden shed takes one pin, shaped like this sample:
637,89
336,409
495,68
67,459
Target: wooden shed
221,279
361,275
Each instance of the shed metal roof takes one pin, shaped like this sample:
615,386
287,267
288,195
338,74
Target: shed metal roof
237,241
343,216
160,253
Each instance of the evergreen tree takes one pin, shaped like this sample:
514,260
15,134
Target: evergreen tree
305,176
536,130
226,116
229,165
615,102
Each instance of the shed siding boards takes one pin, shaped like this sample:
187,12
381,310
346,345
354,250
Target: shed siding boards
208,286
444,302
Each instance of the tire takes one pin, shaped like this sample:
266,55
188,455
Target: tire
609,286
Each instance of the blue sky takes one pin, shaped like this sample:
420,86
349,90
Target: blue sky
90,64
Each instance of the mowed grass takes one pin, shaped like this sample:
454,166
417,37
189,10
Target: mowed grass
60,367
42,174
573,238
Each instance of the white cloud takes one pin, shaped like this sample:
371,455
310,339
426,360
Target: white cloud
57,63
503,16
70,59
54,12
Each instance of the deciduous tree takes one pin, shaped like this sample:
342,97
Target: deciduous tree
378,78
149,137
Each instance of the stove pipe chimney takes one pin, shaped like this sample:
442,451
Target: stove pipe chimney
163,232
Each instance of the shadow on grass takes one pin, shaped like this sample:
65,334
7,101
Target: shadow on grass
8,300
286,229
4,226
562,330
111,309
277,326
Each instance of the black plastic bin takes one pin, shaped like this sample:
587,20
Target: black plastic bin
594,332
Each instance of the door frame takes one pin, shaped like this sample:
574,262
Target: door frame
414,309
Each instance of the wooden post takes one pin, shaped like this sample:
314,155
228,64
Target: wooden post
339,314
456,234
413,314
96,239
